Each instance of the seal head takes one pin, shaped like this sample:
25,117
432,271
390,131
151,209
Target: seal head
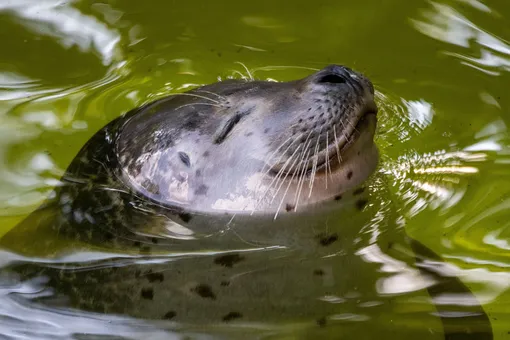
253,146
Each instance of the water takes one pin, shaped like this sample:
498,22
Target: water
441,69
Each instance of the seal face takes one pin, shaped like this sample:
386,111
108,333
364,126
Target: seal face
252,146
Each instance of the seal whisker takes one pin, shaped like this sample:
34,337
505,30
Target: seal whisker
266,162
287,172
301,178
240,74
337,147
304,162
354,127
301,184
101,163
282,67
280,173
243,240
343,128
287,189
195,95
250,76
315,161
270,168
215,94
327,158
191,104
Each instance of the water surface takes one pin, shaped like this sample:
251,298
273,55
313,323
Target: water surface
441,70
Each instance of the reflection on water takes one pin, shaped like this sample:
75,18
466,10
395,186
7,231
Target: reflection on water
66,25
443,177
445,23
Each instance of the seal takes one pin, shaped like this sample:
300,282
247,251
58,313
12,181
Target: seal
182,166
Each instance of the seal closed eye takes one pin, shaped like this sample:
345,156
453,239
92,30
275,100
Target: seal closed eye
268,144
228,126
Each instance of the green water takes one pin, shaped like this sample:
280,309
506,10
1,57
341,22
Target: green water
441,70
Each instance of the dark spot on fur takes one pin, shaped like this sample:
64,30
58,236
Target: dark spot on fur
147,293
358,191
326,240
225,283
154,240
321,322
338,197
153,277
228,260
204,291
185,158
248,134
206,154
318,272
185,217
360,204
170,315
201,190
349,175
289,207
198,173
232,316
266,130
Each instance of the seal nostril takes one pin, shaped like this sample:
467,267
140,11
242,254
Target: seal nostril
332,79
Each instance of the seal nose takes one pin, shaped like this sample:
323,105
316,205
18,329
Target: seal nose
334,74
